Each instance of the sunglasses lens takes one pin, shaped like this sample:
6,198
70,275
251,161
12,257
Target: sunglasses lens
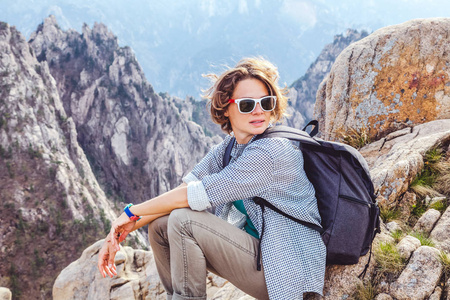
246,105
268,103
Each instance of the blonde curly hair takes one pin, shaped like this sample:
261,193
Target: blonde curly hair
224,85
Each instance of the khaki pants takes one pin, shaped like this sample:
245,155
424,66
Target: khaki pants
187,243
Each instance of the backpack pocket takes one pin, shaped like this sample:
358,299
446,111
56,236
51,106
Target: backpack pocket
346,237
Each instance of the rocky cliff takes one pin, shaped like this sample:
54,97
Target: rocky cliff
139,143
52,206
398,77
62,92
302,93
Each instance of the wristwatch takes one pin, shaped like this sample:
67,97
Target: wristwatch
130,214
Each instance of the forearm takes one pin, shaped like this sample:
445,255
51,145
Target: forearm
161,205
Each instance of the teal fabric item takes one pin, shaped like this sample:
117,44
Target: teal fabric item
249,227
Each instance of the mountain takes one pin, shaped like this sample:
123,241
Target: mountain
138,143
52,206
303,91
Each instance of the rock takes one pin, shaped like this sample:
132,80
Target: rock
302,94
406,203
448,289
420,277
5,294
393,227
396,77
440,234
407,246
229,291
394,163
383,297
140,143
427,221
342,281
436,295
436,199
137,277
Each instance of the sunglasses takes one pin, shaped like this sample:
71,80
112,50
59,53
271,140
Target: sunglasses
247,105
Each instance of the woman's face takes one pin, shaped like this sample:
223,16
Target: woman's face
245,126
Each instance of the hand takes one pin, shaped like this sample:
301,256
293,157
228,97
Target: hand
120,228
106,257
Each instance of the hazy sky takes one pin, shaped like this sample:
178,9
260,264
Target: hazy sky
154,28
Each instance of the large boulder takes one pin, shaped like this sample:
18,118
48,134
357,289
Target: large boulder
441,233
137,277
420,277
395,160
398,76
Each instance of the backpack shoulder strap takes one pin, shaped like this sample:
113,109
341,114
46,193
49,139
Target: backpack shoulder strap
227,155
263,202
288,133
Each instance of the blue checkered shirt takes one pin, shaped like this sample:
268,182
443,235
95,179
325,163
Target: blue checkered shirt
293,255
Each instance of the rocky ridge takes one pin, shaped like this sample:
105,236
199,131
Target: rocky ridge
139,143
52,206
302,93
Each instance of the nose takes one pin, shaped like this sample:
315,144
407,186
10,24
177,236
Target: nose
258,110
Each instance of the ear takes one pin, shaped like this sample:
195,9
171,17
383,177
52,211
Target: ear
226,114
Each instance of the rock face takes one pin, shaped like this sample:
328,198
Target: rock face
139,143
302,93
52,204
395,160
396,77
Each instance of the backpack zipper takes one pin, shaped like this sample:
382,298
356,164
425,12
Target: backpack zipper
355,200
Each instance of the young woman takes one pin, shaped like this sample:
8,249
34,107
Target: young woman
187,240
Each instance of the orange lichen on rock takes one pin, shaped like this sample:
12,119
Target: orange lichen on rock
407,92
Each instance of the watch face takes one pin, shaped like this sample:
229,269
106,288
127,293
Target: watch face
134,218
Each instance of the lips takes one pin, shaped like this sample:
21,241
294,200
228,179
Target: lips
257,122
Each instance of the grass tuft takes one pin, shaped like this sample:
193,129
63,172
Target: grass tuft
428,181
389,214
357,138
423,238
397,235
388,259
364,291
440,206
445,260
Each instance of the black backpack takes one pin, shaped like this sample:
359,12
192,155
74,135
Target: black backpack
344,192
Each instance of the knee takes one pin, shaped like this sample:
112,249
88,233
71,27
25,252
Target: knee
179,216
179,220
158,228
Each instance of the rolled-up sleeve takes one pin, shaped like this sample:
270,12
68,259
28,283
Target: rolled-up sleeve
189,178
197,197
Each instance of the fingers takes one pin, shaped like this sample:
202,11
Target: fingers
106,258
111,264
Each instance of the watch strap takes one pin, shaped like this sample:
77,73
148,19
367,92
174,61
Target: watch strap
130,215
